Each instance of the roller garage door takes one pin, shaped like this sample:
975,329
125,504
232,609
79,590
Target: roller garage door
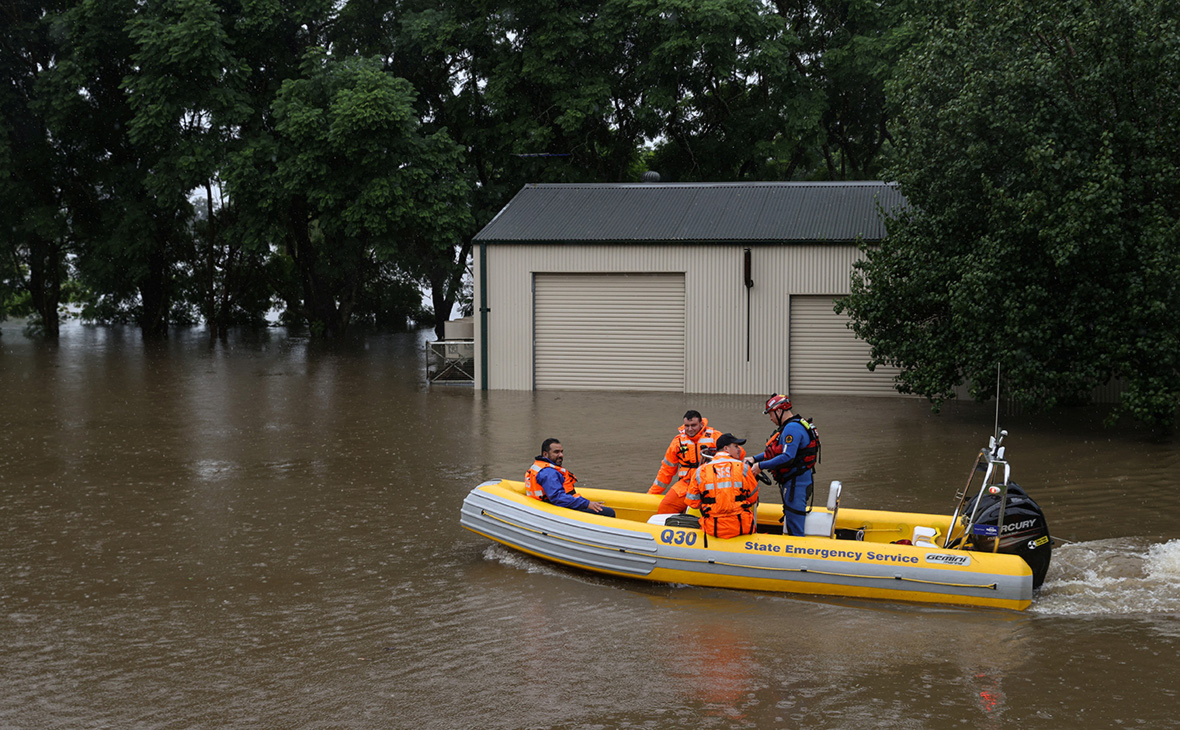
608,331
826,358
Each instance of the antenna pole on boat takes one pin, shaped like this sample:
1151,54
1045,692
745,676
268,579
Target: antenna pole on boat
986,456
997,429
999,454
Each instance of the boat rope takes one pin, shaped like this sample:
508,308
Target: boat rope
990,586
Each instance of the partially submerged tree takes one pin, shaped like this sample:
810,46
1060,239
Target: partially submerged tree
346,169
1037,146
188,93
34,174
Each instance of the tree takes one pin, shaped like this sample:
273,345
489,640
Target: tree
224,277
770,91
533,92
850,49
34,230
732,93
344,172
1037,148
187,92
129,224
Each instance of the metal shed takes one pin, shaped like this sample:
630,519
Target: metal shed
692,287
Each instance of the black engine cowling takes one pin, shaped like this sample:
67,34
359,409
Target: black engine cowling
1025,531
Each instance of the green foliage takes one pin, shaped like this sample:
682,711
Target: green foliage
200,158
392,302
185,92
347,172
33,173
1038,148
770,91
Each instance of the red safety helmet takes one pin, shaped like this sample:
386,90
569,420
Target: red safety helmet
777,402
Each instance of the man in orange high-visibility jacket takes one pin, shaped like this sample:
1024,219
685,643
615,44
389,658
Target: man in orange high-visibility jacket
725,490
548,481
694,442
684,453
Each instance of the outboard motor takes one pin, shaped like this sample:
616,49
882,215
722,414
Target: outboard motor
1025,531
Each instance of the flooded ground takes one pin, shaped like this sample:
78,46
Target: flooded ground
265,534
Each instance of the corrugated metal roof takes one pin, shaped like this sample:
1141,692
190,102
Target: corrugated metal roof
686,212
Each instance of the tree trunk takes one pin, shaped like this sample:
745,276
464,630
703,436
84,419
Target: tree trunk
445,283
324,318
442,308
212,311
154,293
45,283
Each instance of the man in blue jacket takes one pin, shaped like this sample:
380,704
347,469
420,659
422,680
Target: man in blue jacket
790,457
548,481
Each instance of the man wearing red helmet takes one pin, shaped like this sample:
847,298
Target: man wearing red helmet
790,457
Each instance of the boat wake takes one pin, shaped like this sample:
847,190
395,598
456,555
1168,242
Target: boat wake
513,559
1126,576
500,554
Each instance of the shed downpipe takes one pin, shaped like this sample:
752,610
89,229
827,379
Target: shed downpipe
749,285
483,315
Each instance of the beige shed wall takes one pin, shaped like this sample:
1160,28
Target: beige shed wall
715,308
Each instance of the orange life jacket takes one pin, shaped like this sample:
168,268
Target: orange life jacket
533,487
684,456
725,491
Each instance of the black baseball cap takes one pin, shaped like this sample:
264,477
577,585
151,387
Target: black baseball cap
727,439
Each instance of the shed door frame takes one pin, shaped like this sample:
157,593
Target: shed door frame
826,358
609,331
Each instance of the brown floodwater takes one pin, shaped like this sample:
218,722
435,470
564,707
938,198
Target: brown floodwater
265,533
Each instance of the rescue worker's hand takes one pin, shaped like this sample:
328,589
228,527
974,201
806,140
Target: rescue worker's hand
596,506
754,468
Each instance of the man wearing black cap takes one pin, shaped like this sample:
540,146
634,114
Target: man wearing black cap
725,490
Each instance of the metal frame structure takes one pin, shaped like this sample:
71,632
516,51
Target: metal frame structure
450,361
992,463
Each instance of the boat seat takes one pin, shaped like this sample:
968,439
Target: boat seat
926,536
823,524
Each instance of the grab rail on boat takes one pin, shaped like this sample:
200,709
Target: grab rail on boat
993,456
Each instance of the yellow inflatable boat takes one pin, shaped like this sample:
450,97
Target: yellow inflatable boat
951,559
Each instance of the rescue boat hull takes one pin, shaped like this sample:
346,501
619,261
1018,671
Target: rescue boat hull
872,567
